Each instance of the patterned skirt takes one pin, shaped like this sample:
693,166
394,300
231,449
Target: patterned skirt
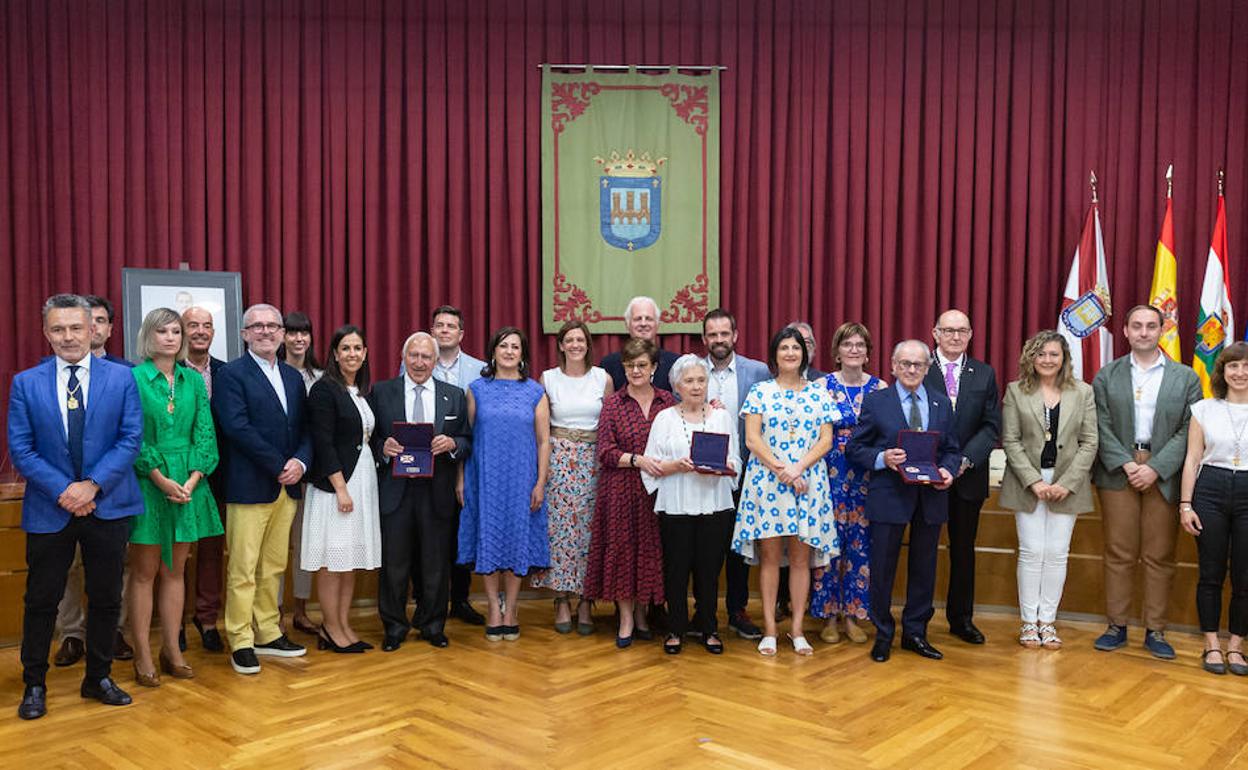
570,495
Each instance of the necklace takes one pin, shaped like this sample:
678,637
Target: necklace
1238,430
71,397
169,407
1048,423
794,421
685,426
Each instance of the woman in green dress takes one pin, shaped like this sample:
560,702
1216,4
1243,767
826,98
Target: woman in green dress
179,450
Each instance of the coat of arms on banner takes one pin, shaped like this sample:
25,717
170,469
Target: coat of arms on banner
630,200
1087,314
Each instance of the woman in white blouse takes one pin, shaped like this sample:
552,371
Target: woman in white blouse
1213,506
575,390
696,511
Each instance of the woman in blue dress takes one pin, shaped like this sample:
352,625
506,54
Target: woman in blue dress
785,507
502,530
840,589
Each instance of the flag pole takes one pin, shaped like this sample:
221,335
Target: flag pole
1169,180
1092,184
1221,181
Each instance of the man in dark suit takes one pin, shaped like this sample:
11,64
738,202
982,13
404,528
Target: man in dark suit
75,429
210,553
971,387
893,504
417,513
259,403
641,317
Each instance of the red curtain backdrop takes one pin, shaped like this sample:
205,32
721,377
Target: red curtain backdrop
366,161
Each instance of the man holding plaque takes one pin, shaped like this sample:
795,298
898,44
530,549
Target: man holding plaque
971,387
418,505
913,492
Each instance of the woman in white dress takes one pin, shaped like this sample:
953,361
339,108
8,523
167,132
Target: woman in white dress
341,521
695,509
576,390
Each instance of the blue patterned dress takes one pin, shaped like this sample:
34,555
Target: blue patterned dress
791,423
841,588
497,531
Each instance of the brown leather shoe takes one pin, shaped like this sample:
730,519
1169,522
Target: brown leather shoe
121,650
177,672
72,650
151,679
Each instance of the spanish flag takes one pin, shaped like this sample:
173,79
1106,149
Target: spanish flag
1216,322
1164,293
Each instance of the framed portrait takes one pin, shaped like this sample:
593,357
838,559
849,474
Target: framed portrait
219,293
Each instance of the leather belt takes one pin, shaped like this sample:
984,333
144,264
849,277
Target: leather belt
1142,446
574,434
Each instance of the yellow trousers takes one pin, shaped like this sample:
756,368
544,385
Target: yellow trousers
258,539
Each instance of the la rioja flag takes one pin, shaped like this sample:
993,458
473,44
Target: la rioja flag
1085,302
1216,323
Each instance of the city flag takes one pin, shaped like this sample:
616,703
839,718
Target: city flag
1085,302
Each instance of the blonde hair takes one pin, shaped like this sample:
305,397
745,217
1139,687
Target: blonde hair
157,318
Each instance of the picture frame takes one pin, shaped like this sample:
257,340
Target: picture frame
221,293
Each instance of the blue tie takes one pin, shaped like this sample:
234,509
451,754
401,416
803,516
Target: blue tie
76,411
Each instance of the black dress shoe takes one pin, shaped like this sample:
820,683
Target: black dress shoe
968,633
210,637
920,646
464,611
105,691
34,702
391,643
881,650
122,650
72,650
437,639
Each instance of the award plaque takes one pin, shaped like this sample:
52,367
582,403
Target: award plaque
416,459
709,453
920,465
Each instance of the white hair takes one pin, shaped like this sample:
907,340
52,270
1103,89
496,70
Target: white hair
257,308
628,309
419,336
679,366
927,353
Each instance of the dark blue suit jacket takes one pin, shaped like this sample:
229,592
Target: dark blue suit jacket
111,440
889,499
256,437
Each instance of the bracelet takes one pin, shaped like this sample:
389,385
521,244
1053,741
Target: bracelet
1185,502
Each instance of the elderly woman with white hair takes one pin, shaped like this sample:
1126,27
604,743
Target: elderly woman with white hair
695,508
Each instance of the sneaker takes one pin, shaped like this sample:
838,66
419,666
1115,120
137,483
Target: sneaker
1155,642
244,661
745,628
281,647
1113,638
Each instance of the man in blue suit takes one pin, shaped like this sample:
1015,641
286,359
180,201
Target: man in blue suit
258,401
75,428
892,504
731,377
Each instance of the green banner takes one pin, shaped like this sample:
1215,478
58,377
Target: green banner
630,197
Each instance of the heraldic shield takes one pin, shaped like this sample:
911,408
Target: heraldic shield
630,210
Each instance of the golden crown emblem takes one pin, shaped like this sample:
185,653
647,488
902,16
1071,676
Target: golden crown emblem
630,164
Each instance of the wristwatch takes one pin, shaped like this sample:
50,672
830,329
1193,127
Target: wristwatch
632,459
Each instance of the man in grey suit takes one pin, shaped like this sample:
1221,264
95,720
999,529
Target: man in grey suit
731,377
1143,405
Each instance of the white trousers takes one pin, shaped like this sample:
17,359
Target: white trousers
1043,545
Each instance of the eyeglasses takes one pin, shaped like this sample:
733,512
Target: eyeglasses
854,345
907,365
262,327
948,331
637,366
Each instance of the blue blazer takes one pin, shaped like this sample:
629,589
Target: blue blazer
749,372
110,444
889,499
256,437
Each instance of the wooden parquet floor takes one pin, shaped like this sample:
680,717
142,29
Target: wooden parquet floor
568,701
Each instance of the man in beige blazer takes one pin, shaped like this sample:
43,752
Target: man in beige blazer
1143,404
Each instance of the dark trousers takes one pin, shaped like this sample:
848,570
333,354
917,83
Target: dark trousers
48,556
963,526
736,571
886,542
460,574
413,551
1221,501
209,574
693,545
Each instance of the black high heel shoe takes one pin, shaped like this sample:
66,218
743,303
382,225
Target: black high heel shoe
326,642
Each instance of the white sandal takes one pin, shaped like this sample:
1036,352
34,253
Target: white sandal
1029,635
801,646
767,646
1049,638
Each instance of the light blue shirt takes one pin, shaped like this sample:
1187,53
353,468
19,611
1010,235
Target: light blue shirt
920,396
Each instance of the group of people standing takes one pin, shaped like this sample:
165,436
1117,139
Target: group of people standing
581,479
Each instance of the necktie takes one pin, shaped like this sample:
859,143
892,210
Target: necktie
76,411
916,417
418,405
951,380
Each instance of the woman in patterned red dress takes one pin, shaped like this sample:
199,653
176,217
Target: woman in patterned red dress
625,553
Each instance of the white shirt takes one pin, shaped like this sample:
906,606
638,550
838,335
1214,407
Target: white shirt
722,384
274,375
1146,384
62,386
575,402
426,397
958,363
690,494
1220,421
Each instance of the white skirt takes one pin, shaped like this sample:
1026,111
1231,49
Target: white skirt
341,542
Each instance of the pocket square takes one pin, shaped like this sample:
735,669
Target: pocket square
450,417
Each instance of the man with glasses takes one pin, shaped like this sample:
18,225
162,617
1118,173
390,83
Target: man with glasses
892,504
641,317
808,337
971,386
258,401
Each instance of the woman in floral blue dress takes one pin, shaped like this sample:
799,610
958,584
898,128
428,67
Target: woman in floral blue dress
840,589
785,508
